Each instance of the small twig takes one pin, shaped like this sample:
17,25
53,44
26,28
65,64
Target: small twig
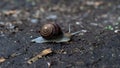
2,59
40,55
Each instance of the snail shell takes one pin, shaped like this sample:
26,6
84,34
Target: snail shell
51,31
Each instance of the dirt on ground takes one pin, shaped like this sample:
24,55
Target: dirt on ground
97,46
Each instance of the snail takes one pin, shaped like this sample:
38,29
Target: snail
51,32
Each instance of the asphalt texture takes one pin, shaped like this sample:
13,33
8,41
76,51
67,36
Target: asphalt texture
97,46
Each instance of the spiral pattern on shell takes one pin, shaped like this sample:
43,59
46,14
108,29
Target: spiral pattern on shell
51,31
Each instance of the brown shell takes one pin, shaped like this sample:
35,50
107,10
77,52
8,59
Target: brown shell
50,31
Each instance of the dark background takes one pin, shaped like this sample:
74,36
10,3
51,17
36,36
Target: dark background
98,46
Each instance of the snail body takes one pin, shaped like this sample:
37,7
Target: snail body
51,32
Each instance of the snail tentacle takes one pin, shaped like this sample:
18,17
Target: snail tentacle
69,28
75,32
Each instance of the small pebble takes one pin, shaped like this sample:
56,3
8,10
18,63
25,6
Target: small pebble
31,36
117,31
2,34
64,52
19,22
49,64
77,23
94,24
96,4
34,21
2,23
37,14
118,19
9,25
52,17
42,9
84,31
